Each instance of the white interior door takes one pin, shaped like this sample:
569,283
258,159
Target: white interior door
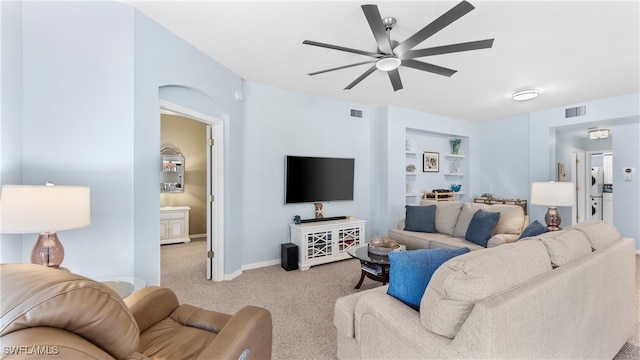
578,177
210,247
215,187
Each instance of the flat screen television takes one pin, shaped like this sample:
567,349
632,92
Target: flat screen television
316,179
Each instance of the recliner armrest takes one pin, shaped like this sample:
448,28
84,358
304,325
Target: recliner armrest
247,335
151,304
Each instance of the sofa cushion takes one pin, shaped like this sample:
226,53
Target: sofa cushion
565,246
411,271
420,218
447,213
599,233
534,229
460,282
511,218
481,227
466,214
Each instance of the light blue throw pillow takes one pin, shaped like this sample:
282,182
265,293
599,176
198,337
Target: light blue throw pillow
420,218
534,229
481,227
411,271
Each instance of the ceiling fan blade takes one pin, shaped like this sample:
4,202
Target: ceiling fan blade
394,76
361,77
377,27
438,24
340,48
467,46
415,64
343,67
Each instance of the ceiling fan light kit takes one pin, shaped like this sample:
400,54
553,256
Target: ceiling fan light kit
388,63
392,54
524,95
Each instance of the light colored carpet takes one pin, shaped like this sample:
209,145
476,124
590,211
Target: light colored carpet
301,302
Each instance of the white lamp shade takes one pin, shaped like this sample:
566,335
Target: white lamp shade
34,209
553,193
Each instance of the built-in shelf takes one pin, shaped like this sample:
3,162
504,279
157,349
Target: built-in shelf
412,153
453,156
411,173
458,193
412,194
454,174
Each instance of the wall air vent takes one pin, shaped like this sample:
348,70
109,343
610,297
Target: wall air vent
575,111
356,113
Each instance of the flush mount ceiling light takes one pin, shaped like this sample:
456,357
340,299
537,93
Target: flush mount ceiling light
524,95
598,133
388,63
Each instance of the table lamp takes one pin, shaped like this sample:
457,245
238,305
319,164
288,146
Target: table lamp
553,194
45,210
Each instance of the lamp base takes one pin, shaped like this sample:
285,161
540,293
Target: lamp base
552,218
48,250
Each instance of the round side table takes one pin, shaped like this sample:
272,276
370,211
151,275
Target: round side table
123,285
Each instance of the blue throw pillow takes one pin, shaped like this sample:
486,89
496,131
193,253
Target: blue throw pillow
534,229
481,227
420,218
411,271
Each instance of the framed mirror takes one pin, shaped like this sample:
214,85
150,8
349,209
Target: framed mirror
172,170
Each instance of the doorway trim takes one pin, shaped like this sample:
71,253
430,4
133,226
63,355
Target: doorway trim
215,169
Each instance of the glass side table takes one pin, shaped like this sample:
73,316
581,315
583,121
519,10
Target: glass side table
372,266
123,285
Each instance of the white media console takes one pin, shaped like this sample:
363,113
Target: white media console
326,241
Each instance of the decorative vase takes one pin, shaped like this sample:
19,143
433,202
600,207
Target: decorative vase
411,145
455,146
409,187
455,166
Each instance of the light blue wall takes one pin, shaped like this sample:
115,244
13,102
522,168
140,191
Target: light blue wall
167,67
502,166
279,123
11,113
77,122
397,122
92,74
623,112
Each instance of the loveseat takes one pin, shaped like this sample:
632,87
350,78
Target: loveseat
452,220
54,314
567,294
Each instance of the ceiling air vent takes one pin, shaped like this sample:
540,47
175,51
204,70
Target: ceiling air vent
356,113
575,111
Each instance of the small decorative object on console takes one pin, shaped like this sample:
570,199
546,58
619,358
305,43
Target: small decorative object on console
382,245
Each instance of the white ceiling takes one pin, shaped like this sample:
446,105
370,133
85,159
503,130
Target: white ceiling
573,51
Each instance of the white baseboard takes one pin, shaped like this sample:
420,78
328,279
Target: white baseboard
235,274
260,264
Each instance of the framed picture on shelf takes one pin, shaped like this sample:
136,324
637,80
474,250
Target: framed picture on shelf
430,162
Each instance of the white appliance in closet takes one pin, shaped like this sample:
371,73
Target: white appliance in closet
595,192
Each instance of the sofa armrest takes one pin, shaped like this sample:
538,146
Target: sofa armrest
247,335
385,327
151,304
500,239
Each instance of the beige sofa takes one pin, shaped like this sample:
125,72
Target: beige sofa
451,223
545,297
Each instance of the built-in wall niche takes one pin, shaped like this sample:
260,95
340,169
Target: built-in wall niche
172,169
451,168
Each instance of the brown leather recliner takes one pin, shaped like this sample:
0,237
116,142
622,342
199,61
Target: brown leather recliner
55,314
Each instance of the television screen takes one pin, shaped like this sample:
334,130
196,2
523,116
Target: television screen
316,179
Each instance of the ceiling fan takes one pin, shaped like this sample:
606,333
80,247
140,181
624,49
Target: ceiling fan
392,54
